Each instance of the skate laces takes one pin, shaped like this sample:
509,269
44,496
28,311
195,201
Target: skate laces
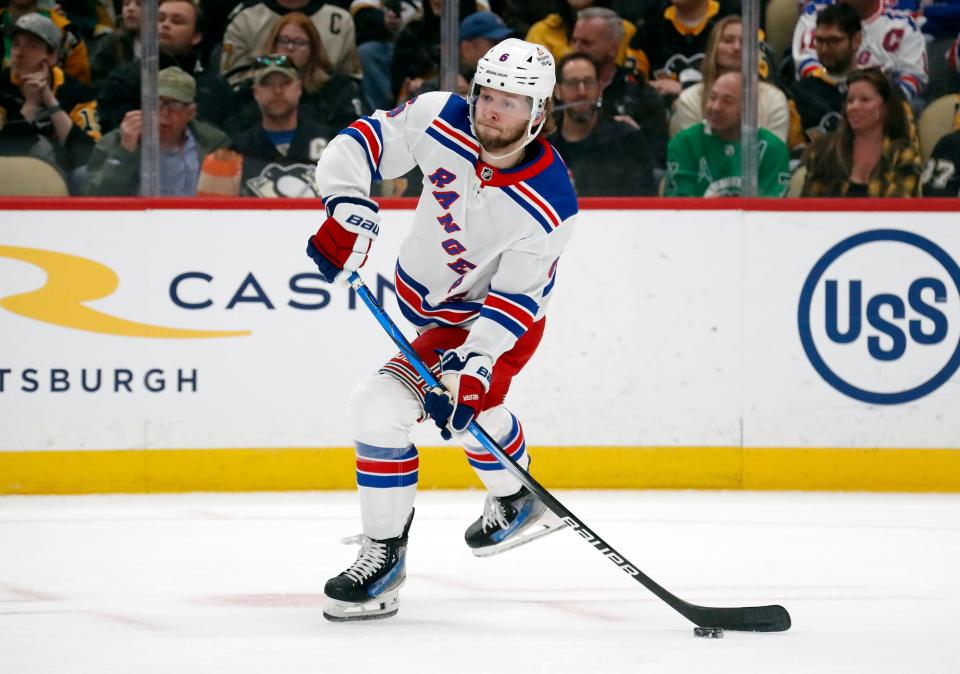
371,557
494,514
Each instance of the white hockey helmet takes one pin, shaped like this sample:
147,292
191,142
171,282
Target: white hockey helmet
517,67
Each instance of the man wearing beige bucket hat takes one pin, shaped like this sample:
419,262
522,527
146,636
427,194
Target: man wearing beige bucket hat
114,168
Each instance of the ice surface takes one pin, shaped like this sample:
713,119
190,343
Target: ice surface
230,583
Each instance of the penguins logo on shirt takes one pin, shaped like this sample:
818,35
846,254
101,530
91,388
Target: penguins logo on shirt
684,69
292,181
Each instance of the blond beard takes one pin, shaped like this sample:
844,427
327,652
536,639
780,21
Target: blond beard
502,141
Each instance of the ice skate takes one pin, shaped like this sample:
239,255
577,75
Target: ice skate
509,521
369,588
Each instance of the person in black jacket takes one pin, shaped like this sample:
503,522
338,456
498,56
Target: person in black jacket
38,100
626,96
279,154
180,27
119,47
604,157
941,175
671,44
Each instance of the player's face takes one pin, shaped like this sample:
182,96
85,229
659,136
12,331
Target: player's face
865,108
277,95
501,118
176,25
579,89
728,48
834,48
295,43
723,106
29,54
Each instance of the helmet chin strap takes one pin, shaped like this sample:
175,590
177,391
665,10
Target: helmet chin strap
505,154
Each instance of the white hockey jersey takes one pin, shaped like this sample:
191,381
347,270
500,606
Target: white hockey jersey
891,41
483,250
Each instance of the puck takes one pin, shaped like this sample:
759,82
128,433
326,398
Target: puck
708,632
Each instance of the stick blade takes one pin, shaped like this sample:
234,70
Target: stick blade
773,618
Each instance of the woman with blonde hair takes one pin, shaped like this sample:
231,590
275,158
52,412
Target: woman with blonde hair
722,55
871,153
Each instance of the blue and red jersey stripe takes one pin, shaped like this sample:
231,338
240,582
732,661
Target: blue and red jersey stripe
366,131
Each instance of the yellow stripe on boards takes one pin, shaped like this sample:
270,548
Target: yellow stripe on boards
772,468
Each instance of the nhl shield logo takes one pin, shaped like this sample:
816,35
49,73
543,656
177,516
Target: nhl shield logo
486,173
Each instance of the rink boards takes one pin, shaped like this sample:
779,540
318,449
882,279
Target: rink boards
178,350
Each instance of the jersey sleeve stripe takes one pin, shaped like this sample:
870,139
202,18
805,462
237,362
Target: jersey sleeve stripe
911,85
525,301
549,286
331,203
504,319
521,307
366,132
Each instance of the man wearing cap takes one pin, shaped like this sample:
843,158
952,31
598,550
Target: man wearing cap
38,99
72,50
277,156
114,168
479,32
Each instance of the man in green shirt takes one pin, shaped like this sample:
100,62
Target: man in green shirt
704,160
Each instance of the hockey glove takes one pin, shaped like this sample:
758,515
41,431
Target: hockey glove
465,380
344,239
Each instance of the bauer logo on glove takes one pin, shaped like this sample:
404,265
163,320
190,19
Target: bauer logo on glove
344,239
465,379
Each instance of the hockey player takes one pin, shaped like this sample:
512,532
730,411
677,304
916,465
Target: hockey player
474,275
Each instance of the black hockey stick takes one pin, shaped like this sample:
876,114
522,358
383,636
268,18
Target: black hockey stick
746,618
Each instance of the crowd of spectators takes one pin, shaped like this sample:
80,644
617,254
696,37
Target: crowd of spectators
647,102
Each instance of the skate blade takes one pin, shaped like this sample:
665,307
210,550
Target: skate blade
384,606
539,530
